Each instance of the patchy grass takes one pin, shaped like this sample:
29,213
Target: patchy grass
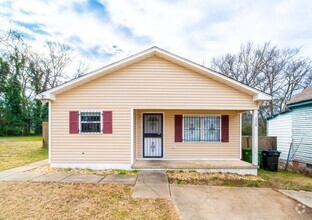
47,168
24,200
287,180
18,151
265,179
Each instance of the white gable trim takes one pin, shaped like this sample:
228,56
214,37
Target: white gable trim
50,94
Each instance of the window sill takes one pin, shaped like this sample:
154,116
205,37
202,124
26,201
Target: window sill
91,133
202,142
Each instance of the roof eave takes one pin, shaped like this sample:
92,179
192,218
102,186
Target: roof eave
93,74
297,104
262,97
257,95
46,96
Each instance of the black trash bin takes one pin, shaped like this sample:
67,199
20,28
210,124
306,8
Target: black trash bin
270,160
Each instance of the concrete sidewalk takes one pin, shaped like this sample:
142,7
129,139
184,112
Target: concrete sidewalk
151,184
301,196
20,174
21,169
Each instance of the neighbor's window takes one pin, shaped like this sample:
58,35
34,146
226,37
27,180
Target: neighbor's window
90,122
201,128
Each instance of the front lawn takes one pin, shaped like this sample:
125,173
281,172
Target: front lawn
18,151
25,200
265,179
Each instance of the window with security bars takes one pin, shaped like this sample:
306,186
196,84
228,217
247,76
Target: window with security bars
90,122
201,128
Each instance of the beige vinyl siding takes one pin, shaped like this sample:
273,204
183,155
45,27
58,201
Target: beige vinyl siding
174,150
153,83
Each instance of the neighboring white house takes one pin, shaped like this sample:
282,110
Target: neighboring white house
295,126
281,126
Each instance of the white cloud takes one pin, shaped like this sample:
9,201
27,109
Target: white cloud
195,29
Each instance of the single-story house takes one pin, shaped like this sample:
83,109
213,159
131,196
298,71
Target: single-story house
150,108
295,127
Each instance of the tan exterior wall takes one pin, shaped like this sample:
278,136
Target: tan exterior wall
174,150
153,83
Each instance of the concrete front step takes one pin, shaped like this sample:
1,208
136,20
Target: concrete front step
192,164
224,166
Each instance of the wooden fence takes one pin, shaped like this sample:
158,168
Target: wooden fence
45,134
264,142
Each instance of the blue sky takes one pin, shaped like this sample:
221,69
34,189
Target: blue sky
105,31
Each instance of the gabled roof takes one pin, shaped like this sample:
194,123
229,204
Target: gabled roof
50,94
305,95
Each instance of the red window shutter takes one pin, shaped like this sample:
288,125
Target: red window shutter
225,128
74,122
107,122
178,128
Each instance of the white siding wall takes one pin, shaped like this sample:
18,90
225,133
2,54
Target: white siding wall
302,133
281,127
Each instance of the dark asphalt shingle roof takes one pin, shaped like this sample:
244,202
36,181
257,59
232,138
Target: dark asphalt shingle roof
305,95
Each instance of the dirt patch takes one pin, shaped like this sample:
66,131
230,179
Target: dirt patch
212,179
47,168
279,180
78,201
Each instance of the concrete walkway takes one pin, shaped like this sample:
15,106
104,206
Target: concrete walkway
213,202
148,184
151,184
20,174
21,169
301,196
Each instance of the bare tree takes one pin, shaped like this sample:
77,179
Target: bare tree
25,72
47,70
82,69
15,51
279,72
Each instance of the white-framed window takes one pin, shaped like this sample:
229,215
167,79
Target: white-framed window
201,128
90,122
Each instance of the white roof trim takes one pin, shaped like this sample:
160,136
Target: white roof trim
50,94
45,96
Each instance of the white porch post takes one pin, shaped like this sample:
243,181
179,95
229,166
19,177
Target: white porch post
255,137
49,128
131,134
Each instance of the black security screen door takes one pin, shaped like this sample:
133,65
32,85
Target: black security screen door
152,135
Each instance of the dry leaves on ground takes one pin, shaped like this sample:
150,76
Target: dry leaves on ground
20,200
47,168
185,176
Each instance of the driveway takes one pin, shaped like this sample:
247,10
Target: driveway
208,202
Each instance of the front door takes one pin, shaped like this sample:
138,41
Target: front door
152,135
